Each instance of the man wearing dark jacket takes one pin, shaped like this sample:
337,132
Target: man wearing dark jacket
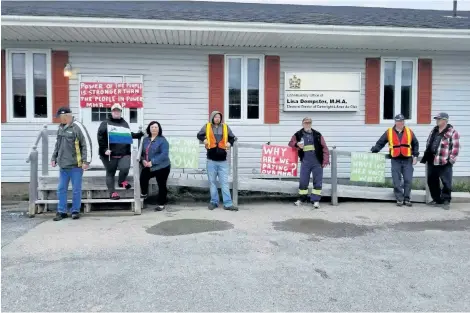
314,156
116,154
404,152
441,153
218,138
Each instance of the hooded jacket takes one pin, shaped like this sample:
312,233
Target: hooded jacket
117,149
73,146
216,154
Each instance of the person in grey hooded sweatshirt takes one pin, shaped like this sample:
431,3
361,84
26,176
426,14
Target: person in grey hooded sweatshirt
218,138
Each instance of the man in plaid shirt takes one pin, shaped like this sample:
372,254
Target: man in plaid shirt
441,153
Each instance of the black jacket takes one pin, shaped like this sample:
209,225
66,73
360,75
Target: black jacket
317,139
116,149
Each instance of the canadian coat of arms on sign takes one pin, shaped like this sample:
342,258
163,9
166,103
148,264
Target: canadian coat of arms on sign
294,82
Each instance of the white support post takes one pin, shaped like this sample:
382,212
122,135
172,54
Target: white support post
136,170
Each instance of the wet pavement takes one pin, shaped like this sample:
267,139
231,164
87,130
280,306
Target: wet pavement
271,257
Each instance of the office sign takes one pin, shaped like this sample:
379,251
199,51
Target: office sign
321,91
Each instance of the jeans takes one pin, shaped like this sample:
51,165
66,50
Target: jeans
402,168
436,175
122,164
219,169
66,175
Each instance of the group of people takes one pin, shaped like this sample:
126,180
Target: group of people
73,152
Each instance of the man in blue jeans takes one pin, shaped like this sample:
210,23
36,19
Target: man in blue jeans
217,138
72,153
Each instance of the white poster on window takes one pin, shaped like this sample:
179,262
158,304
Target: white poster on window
321,91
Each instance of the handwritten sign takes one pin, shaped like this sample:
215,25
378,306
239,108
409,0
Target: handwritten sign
279,160
368,167
184,152
104,95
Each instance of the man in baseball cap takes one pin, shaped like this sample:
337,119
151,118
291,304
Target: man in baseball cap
404,152
441,153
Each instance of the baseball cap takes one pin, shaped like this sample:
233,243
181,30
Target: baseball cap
441,116
399,117
116,106
63,110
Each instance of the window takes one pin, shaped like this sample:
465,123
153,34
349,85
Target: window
100,114
244,91
29,86
399,88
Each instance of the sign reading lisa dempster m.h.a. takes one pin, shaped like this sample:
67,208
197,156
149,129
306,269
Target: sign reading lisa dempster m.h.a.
321,91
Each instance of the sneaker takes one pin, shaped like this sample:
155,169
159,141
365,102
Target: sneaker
115,196
446,205
298,203
212,206
125,184
160,208
143,196
432,203
75,215
230,208
399,203
316,205
408,203
60,216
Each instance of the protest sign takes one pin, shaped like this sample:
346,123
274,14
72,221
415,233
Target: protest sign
104,95
368,167
184,152
279,160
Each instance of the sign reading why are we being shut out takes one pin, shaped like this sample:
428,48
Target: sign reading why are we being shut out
322,91
184,152
279,160
368,167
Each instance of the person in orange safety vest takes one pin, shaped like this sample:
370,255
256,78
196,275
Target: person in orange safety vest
404,151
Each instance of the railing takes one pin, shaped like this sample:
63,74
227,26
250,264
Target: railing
233,159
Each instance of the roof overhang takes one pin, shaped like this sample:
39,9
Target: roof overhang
232,34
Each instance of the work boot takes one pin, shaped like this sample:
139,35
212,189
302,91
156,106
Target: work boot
446,205
432,203
408,203
125,184
115,196
60,216
212,206
75,215
399,203
316,205
230,208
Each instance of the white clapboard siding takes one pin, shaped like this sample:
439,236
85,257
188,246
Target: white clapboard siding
176,94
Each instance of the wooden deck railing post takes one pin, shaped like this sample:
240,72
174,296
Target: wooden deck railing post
427,197
136,170
33,181
235,174
334,176
45,151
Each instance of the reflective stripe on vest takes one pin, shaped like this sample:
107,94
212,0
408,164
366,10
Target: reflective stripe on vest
308,148
212,142
396,147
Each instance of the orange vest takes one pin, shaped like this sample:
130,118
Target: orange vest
397,147
212,142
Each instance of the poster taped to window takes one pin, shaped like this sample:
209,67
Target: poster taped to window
104,95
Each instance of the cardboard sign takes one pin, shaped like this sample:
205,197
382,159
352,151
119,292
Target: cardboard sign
279,160
184,152
368,167
104,95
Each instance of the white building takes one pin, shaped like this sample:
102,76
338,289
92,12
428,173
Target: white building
188,55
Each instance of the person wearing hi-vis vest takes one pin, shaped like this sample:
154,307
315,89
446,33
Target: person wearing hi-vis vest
217,138
314,156
404,151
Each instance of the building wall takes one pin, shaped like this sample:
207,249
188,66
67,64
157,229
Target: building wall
176,94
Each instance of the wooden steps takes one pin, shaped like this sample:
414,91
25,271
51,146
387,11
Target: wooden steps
88,201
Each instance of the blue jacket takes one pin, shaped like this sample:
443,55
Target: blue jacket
158,153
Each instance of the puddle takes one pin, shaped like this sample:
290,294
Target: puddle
187,227
322,228
446,225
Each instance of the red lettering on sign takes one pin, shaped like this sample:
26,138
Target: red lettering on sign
279,160
104,95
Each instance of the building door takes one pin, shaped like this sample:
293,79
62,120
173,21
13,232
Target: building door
93,117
